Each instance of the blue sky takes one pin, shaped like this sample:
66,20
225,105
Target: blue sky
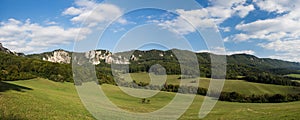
265,28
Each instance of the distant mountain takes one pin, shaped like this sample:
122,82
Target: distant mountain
138,56
56,56
94,56
261,62
56,66
237,64
141,61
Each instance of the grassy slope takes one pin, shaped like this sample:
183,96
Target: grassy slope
46,100
294,75
239,86
50,100
223,110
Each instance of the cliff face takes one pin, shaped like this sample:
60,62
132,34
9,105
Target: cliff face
58,56
94,56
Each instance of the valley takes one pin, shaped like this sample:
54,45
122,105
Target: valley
240,86
41,86
54,100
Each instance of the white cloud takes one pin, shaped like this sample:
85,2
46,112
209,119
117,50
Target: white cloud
92,13
208,17
281,34
72,11
225,9
284,27
251,52
286,56
279,6
188,22
48,22
221,51
31,37
291,46
216,50
243,11
225,29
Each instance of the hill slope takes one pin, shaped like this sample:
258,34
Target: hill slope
38,99
237,61
53,100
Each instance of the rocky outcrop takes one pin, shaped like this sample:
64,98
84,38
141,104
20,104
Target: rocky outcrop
58,56
94,56
102,56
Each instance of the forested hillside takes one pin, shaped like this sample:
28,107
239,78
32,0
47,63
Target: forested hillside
242,66
239,66
19,68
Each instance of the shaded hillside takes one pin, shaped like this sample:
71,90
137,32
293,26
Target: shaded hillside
141,61
138,56
248,67
21,68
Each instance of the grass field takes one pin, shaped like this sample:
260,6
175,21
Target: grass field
294,76
41,99
44,99
239,86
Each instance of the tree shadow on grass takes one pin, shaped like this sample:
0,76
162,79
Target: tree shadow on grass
8,86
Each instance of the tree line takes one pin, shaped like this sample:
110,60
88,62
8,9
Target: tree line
21,68
223,96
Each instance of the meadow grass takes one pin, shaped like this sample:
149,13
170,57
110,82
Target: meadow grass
45,100
52,100
222,110
294,75
240,86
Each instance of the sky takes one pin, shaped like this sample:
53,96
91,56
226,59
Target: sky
264,28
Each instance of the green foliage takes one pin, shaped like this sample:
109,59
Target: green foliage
41,99
237,65
293,76
21,68
266,98
241,86
224,96
270,79
64,103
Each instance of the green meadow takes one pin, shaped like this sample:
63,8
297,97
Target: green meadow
44,99
240,86
294,75
40,99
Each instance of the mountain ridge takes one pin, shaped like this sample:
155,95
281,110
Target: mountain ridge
164,51
56,65
238,62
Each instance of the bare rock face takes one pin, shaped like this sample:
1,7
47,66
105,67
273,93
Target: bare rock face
58,56
94,56
116,59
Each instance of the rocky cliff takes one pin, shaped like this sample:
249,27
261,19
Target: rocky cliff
58,56
94,56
